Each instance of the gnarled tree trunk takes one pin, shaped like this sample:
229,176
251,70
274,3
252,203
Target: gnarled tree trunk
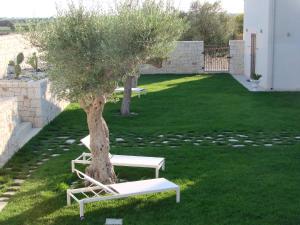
125,108
101,168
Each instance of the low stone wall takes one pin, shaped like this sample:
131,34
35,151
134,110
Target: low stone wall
35,102
9,121
236,66
187,58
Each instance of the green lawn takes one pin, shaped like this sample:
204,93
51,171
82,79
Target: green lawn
235,155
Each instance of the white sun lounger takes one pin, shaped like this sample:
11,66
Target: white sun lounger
122,160
137,90
99,192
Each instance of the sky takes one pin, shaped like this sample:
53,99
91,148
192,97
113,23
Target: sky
47,8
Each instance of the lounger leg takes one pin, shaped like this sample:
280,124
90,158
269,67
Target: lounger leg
178,195
81,208
157,172
68,199
163,167
73,166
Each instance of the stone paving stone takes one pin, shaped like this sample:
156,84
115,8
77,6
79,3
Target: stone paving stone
268,145
9,194
13,188
238,146
55,155
45,160
50,149
70,141
110,221
120,140
18,181
2,205
242,136
64,137
4,199
40,163
233,140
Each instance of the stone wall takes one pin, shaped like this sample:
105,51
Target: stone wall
10,46
35,101
187,58
236,66
9,121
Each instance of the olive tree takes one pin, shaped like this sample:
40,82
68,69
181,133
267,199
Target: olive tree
90,51
209,23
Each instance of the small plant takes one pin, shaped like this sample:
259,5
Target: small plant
11,63
20,59
33,61
256,76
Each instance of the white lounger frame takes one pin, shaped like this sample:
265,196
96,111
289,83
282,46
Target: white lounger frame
86,158
96,188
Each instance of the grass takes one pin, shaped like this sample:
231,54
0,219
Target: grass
220,184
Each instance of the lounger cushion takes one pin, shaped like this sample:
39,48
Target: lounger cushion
144,186
136,161
132,161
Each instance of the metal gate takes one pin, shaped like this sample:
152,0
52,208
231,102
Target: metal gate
216,59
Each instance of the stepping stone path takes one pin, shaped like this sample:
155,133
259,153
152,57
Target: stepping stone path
230,139
58,145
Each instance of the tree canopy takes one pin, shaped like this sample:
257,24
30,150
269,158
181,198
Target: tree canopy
210,23
90,50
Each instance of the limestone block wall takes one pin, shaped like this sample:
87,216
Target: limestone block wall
36,104
10,46
9,121
236,66
187,58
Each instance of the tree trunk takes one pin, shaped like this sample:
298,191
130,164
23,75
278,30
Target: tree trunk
101,168
135,81
125,108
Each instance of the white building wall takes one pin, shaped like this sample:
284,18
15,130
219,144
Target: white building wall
257,20
286,75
